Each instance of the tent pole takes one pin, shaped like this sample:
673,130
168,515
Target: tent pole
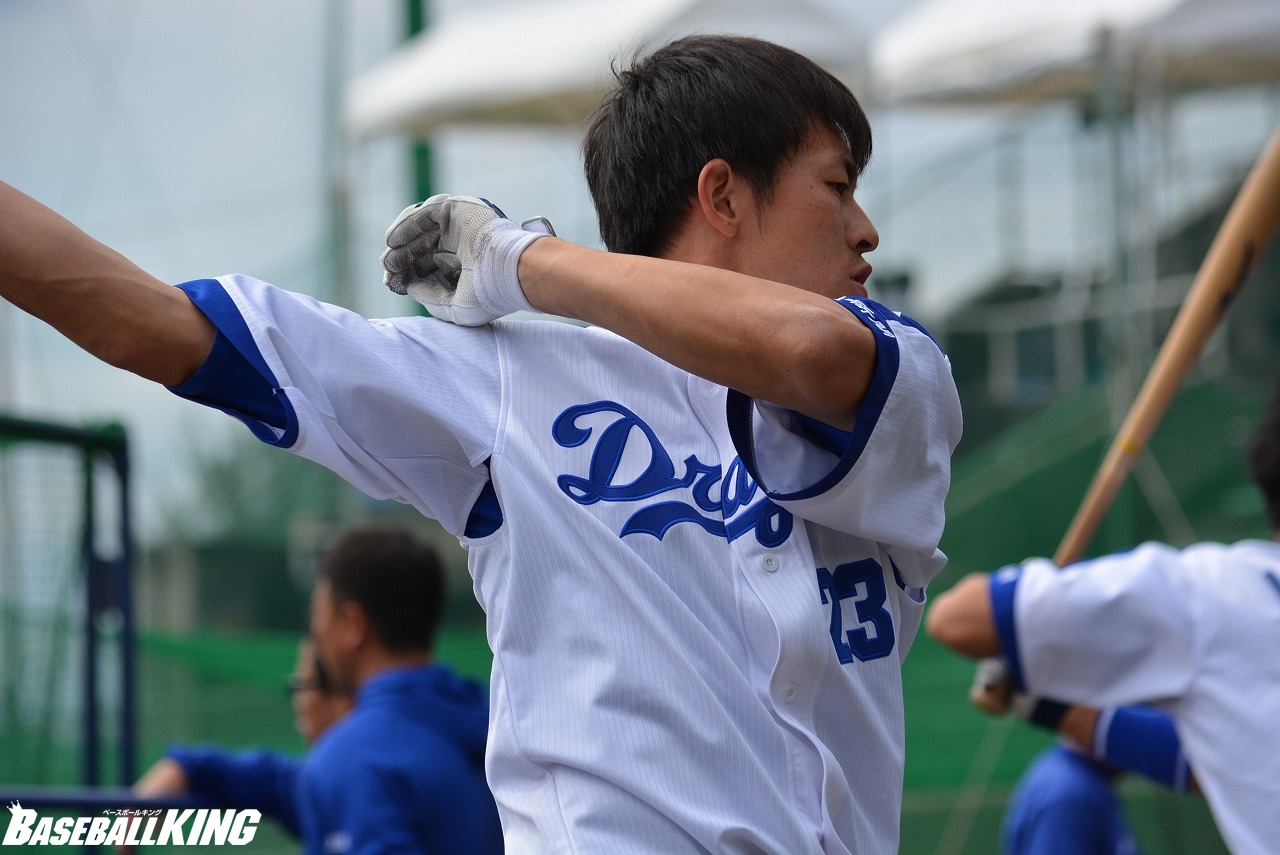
417,19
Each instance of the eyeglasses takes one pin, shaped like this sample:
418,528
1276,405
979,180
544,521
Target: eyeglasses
296,684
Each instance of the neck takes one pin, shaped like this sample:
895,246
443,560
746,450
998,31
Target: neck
696,243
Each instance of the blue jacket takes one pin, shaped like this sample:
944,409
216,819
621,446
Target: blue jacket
1064,805
264,780
404,772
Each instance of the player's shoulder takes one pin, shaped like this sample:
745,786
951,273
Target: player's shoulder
1202,567
1224,556
1255,558
538,342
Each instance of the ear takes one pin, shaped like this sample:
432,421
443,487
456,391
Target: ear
352,626
720,196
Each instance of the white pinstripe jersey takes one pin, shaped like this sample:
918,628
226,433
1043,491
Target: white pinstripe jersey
1196,631
682,661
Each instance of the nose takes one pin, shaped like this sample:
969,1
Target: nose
862,236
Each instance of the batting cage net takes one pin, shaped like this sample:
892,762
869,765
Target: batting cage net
66,625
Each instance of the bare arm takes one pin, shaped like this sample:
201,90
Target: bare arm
961,618
96,297
781,344
1078,725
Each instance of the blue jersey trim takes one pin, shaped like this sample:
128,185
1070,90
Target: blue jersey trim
849,445
235,378
822,435
1003,586
914,324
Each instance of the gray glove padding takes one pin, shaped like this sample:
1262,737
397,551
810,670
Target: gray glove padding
458,256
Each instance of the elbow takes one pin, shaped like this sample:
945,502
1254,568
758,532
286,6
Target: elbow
940,623
962,620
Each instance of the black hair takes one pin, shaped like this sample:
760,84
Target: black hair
394,577
751,102
1263,456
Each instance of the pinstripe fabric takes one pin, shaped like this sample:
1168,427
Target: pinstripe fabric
1196,631
682,663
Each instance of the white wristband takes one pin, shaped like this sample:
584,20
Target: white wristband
500,244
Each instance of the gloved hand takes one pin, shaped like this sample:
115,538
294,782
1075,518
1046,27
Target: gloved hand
992,692
458,256
992,689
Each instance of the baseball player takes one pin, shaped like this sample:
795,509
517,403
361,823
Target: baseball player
701,528
1192,630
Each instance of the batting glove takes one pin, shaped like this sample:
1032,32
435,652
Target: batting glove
458,256
992,692
992,689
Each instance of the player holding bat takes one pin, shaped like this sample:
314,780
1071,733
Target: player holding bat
701,529
1194,631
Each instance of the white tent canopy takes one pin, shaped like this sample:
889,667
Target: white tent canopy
1038,50
1209,43
549,62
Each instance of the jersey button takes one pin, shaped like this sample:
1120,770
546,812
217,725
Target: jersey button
770,563
791,693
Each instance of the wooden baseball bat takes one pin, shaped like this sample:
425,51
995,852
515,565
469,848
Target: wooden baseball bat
1243,236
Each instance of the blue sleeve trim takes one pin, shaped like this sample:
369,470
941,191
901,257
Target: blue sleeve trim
1144,740
235,378
824,436
914,324
739,408
1003,586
